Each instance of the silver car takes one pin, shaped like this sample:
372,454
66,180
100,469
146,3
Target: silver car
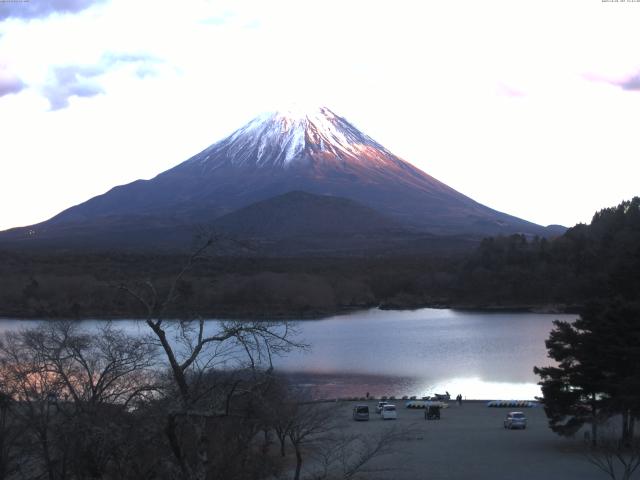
515,420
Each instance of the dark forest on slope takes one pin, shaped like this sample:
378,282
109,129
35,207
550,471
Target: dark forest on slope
588,261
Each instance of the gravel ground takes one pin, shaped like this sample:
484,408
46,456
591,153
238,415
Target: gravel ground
470,442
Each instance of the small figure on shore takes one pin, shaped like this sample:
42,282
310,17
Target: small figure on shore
459,399
367,395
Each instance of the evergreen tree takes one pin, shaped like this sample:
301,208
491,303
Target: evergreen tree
574,390
616,326
598,371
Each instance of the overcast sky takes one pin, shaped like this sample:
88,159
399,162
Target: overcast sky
529,107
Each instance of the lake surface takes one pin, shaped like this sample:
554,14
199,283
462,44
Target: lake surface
477,354
480,355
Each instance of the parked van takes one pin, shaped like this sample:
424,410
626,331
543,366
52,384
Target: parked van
361,412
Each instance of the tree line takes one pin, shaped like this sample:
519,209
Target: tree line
516,271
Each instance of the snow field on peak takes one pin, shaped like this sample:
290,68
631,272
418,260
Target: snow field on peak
279,138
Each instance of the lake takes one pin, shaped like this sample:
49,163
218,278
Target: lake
420,352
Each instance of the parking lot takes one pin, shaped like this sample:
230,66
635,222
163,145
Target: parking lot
469,441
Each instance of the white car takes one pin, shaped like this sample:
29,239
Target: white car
515,420
389,412
380,405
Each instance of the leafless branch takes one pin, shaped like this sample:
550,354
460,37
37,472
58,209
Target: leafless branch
615,458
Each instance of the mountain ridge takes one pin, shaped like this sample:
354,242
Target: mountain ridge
317,152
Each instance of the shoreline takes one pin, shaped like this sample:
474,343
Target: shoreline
323,314
450,403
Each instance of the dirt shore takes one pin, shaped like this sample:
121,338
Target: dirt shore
469,442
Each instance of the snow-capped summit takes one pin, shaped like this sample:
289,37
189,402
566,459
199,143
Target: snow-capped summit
290,135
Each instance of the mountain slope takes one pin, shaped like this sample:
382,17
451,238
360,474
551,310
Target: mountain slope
300,223
300,214
316,152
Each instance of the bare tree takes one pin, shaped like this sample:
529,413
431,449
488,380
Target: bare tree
618,459
349,456
192,348
10,437
104,367
32,389
309,424
72,391
278,411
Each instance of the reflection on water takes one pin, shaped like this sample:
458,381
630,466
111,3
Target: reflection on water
328,386
476,388
477,354
480,355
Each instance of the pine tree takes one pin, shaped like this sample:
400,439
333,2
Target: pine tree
598,371
574,390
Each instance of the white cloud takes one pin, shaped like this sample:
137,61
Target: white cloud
28,10
9,82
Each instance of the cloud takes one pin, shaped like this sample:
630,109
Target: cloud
115,58
31,9
216,20
146,64
508,91
69,81
631,83
9,83
82,80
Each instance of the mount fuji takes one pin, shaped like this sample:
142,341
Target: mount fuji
316,152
